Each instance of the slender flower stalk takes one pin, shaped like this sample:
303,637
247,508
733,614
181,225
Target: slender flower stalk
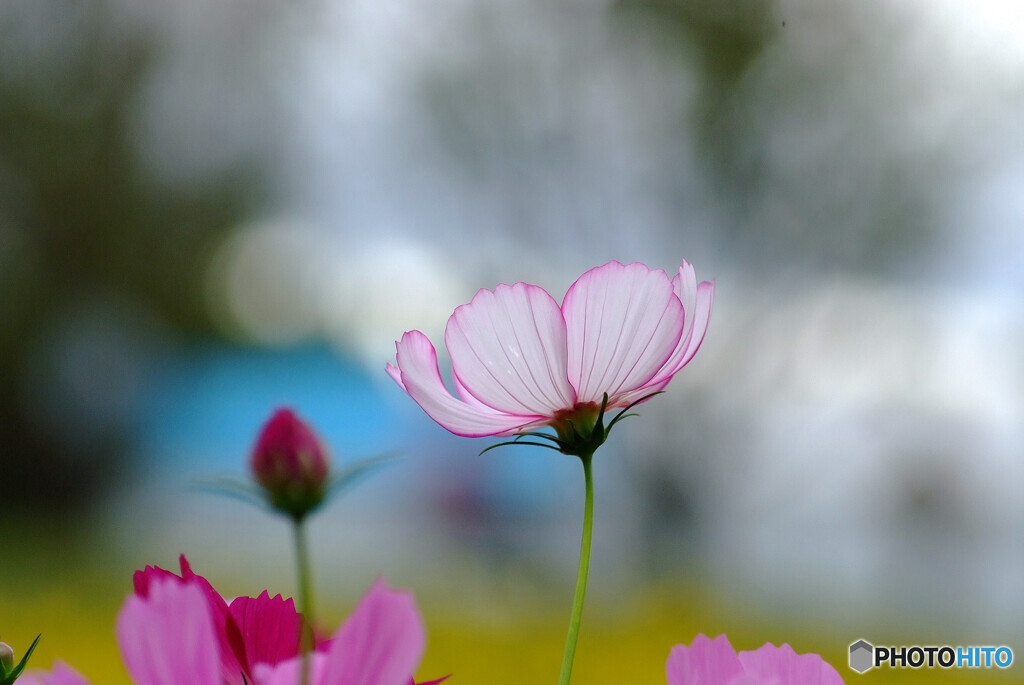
523,365
581,575
291,465
305,595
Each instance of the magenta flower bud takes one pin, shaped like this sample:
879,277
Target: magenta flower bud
290,463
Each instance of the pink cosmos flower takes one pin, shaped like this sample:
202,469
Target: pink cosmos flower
248,631
381,643
519,361
62,674
715,662
169,637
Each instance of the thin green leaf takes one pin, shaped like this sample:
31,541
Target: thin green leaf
519,442
354,471
622,414
233,487
538,434
13,675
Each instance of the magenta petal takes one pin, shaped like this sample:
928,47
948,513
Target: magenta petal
622,324
62,674
381,643
783,666
704,662
271,629
419,376
229,637
508,350
169,637
141,580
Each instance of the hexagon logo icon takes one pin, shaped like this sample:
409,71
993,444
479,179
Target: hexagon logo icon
861,656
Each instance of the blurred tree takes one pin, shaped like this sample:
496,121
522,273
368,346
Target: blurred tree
814,124
802,137
82,225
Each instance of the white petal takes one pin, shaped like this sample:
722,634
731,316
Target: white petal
508,351
417,373
622,324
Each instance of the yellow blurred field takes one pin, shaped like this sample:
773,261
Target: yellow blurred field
75,609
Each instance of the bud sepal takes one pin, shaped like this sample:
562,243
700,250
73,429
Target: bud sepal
579,431
9,672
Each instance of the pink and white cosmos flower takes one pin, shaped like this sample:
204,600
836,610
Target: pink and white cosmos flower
521,361
715,662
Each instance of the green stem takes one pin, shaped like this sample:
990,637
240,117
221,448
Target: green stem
581,575
305,597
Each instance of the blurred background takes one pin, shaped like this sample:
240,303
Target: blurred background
212,209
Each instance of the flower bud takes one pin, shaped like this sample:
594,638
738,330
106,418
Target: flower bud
6,658
289,462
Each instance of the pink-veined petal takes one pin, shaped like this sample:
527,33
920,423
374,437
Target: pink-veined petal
701,316
698,313
704,662
419,376
169,637
396,374
697,301
271,628
466,395
381,643
289,672
508,350
783,666
622,324
62,674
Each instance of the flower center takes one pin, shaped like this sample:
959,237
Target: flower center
576,427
